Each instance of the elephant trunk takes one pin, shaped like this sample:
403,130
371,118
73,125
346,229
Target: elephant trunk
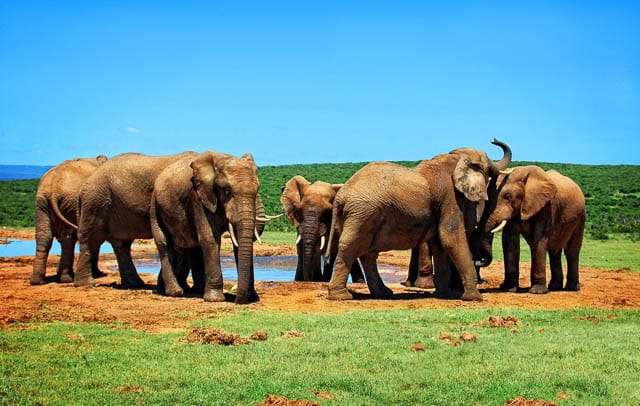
310,244
503,163
245,227
483,252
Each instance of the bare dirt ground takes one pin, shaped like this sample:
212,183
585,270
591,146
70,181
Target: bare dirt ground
145,309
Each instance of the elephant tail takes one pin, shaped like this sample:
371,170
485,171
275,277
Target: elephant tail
336,226
56,209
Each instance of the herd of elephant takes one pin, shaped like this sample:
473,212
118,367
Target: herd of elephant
446,210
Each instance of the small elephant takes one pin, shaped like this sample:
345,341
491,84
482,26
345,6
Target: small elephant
56,208
308,208
114,207
385,207
194,201
548,210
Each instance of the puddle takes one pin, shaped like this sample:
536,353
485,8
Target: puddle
272,268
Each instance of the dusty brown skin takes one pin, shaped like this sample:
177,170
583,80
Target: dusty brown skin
385,207
195,200
56,208
145,310
114,207
308,208
548,210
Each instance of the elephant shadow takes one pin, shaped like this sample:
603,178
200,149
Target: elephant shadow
407,295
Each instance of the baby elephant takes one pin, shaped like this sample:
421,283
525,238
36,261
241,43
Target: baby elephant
548,210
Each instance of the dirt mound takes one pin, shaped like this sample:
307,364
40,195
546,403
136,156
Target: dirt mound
273,400
520,401
214,336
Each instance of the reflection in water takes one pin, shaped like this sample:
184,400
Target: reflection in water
272,268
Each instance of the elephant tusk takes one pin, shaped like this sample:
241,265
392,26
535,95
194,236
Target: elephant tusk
264,219
298,239
322,241
255,232
500,227
233,236
506,171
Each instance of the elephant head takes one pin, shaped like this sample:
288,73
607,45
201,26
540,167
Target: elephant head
523,192
308,207
228,186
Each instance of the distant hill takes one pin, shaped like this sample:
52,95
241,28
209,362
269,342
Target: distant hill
18,172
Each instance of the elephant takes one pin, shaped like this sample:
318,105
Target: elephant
308,208
56,207
194,201
385,206
114,206
548,210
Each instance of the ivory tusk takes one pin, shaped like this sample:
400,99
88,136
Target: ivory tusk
500,227
506,171
322,243
298,239
233,235
264,219
255,232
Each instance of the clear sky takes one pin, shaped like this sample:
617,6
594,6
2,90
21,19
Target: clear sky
327,81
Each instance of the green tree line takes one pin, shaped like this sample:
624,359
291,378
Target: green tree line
612,193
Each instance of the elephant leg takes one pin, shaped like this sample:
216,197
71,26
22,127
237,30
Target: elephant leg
538,265
357,276
167,281
572,253
413,268
89,253
44,239
425,268
196,263
338,283
511,252
376,286
129,277
327,269
182,268
442,272
555,263
456,247
65,267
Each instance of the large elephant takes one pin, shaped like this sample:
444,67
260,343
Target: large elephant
114,206
195,200
548,210
308,208
385,206
56,207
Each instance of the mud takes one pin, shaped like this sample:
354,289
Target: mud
146,310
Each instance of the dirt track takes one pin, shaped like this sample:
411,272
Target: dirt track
144,309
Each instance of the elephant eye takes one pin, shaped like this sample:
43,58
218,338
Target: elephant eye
508,197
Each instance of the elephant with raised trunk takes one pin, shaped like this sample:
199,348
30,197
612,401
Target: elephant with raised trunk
548,210
114,206
385,207
308,208
56,208
195,200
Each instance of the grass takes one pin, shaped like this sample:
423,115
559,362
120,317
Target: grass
362,357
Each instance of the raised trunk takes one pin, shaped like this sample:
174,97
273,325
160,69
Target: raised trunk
503,163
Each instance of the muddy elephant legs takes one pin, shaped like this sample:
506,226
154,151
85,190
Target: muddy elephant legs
374,281
44,239
128,274
65,267
338,283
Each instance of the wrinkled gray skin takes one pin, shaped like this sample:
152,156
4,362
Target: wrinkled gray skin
308,208
114,207
195,200
385,206
548,210
56,207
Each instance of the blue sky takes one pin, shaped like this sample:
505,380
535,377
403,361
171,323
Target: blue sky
302,82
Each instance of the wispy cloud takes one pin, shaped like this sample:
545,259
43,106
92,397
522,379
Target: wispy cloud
132,130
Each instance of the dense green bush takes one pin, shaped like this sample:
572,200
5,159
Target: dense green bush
612,193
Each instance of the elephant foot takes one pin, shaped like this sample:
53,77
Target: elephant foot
507,287
340,294
407,283
573,287
425,282
133,283
538,289
174,292
251,297
87,281
37,280
214,295
555,285
98,274
65,278
472,295
382,293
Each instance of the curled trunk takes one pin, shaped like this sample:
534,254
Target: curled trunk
503,163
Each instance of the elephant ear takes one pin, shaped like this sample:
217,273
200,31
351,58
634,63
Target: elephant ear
469,179
203,179
291,198
538,191
337,186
